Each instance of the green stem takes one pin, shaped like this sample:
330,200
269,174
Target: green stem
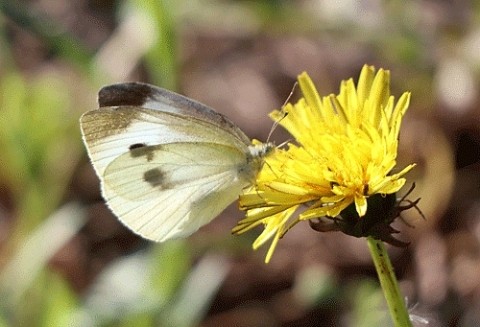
388,281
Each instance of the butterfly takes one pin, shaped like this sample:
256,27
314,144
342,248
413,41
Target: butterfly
166,163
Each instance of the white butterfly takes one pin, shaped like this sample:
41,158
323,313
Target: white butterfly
167,164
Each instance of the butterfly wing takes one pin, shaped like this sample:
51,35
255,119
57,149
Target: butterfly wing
134,114
171,190
167,164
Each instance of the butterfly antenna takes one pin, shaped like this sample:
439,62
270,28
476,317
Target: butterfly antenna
277,122
281,145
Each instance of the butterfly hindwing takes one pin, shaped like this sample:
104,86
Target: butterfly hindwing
170,190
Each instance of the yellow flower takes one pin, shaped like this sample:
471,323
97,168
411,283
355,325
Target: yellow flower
345,152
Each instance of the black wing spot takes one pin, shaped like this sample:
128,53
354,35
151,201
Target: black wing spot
136,146
155,177
125,94
141,149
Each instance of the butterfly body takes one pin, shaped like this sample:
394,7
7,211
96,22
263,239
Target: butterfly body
167,164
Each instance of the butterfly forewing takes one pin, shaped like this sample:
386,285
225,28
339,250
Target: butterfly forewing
110,132
151,97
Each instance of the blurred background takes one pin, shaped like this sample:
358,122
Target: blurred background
65,260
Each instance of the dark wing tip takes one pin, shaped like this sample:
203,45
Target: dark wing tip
125,94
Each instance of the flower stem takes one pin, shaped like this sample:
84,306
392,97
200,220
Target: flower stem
388,281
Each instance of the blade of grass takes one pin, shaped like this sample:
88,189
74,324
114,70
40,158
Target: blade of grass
38,248
162,57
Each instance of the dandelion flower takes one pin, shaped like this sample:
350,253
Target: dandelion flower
343,155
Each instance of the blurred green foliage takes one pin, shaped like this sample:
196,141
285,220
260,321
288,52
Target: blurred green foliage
41,148
35,137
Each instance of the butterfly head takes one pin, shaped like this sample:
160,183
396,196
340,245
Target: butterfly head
260,150
256,154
